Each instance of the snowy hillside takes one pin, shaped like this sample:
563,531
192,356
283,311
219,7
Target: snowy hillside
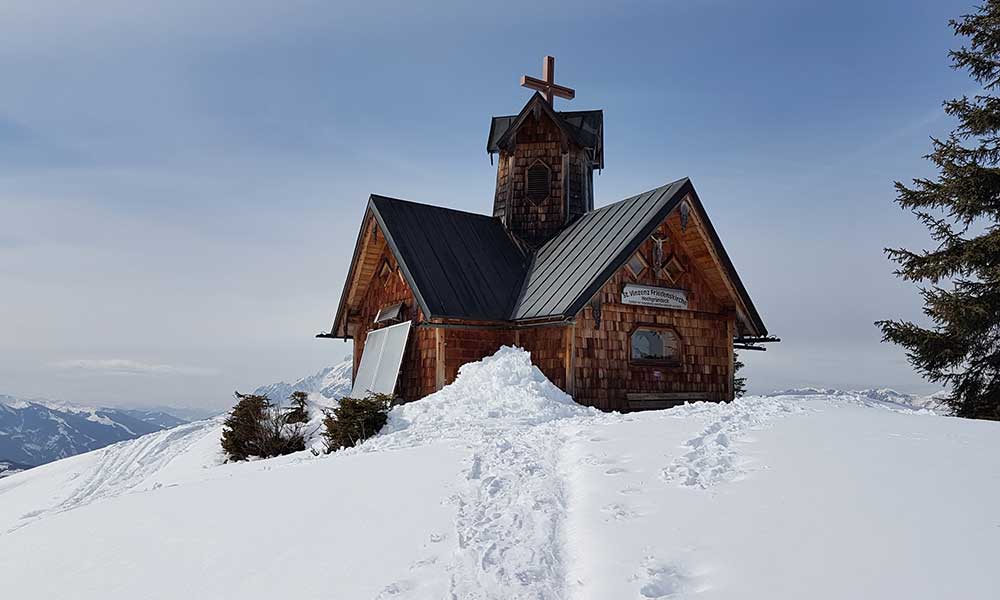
35,432
9,467
499,486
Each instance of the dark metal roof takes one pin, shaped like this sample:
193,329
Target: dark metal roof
572,266
459,264
467,266
498,127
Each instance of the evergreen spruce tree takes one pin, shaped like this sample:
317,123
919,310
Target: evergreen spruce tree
255,427
297,410
243,428
355,420
739,383
960,278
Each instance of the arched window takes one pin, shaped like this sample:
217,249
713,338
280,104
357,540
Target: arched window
653,345
539,181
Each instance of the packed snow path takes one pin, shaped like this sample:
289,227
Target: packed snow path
499,486
511,500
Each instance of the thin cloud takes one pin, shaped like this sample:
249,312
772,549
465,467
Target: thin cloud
124,366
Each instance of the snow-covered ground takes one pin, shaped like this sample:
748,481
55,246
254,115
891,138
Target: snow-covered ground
499,486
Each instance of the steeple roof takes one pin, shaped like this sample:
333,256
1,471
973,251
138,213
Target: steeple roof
583,127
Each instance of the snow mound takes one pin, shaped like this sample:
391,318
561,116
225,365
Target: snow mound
503,390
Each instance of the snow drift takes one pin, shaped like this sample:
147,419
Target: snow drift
504,391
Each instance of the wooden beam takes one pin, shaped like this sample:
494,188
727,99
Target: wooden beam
541,86
740,307
731,384
439,359
569,362
653,404
682,396
547,84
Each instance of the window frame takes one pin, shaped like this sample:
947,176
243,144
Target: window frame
672,261
548,181
390,313
646,362
642,259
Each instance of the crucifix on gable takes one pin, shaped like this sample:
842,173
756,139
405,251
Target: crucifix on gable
666,267
547,85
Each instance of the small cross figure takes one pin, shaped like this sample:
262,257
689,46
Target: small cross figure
547,85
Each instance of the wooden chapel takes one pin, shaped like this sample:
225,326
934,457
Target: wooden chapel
634,305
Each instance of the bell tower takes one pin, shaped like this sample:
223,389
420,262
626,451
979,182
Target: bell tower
545,172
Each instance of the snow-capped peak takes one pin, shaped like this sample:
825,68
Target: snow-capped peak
332,383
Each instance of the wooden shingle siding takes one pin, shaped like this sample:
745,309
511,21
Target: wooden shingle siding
603,374
547,346
416,376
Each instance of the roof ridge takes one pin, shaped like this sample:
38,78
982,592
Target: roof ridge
558,112
634,196
425,205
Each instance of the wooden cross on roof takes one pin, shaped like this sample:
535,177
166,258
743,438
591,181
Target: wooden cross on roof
547,85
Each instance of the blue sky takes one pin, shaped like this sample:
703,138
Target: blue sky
181,186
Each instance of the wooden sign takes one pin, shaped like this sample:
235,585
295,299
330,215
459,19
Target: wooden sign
660,297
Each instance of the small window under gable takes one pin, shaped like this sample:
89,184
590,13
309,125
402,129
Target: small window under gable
391,314
539,181
636,265
384,269
652,345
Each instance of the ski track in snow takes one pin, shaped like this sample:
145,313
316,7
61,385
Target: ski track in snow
124,467
711,457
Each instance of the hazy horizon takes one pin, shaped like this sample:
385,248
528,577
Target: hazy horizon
181,185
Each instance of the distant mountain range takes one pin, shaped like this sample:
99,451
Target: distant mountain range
34,432
332,383
934,402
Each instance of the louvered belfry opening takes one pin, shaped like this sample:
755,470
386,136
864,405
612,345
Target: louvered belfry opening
539,181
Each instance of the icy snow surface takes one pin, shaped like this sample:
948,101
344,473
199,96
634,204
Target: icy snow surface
499,486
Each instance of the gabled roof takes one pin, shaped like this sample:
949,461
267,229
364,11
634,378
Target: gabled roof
458,264
584,127
570,268
462,265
